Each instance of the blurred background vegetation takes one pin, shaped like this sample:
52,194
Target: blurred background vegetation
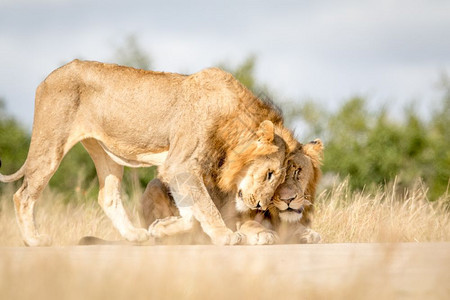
369,147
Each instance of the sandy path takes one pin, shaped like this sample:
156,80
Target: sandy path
396,271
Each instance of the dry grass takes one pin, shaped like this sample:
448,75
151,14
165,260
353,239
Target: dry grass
65,223
342,216
336,271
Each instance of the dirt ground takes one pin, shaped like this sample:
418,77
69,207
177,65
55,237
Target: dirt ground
323,271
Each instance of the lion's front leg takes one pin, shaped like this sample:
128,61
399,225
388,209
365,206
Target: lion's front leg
110,177
257,234
194,201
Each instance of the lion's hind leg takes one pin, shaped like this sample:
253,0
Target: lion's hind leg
56,105
24,203
43,159
110,177
156,203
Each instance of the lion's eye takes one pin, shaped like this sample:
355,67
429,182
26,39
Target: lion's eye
269,175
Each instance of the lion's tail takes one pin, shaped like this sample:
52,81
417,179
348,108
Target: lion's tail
13,177
92,240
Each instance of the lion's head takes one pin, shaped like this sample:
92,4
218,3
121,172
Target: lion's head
295,196
256,168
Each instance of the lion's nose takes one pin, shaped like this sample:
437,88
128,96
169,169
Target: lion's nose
289,200
261,206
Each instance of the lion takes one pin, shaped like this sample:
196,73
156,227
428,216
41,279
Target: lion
204,128
294,198
287,220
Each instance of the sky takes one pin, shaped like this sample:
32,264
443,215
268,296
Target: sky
392,52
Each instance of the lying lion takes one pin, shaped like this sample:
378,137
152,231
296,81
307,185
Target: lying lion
287,220
202,129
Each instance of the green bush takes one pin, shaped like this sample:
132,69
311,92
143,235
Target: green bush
14,143
374,148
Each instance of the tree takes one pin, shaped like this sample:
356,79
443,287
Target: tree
373,148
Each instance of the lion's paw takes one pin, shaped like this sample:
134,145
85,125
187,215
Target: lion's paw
41,240
158,228
226,236
310,237
136,235
266,237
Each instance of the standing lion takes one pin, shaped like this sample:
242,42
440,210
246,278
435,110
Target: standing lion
202,128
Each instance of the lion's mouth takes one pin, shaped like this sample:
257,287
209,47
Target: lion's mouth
299,211
258,205
291,215
241,204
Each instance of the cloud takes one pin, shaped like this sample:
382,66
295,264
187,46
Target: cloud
15,3
325,50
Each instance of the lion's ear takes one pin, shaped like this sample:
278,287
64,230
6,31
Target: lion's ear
266,132
314,150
